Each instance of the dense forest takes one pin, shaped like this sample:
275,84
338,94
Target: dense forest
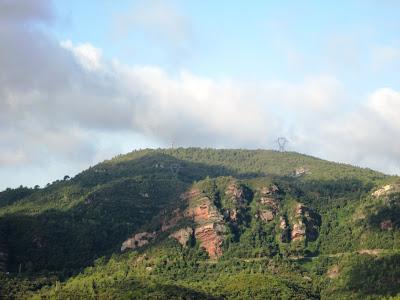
204,224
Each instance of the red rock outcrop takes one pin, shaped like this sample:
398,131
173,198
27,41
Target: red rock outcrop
192,193
202,210
209,226
211,238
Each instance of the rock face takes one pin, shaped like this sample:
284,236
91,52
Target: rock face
301,171
209,225
269,203
236,198
204,211
236,194
138,240
183,235
298,231
211,238
299,228
285,231
266,215
386,190
305,224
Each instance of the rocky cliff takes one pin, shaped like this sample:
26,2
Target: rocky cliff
207,219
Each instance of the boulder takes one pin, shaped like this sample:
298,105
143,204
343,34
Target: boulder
138,240
266,215
182,235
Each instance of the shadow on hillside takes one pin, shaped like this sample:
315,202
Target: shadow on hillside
124,197
157,166
370,275
387,218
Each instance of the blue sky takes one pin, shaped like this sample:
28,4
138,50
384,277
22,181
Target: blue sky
82,81
241,39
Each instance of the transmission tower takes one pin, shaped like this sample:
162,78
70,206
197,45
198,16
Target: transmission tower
281,141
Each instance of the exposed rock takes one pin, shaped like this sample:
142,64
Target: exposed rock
138,240
182,235
210,237
298,231
265,191
298,227
236,193
268,199
271,202
266,215
209,225
204,211
384,191
285,234
386,225
299,210
305,224
231,214
301,171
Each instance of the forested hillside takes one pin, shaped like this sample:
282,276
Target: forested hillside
204,224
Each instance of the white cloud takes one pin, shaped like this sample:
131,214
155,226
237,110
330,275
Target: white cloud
66,105
87,55
366,136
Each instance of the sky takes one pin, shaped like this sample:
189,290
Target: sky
83,81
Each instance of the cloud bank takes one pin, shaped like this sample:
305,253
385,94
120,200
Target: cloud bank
64,106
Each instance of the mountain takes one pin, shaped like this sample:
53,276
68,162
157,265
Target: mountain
204,224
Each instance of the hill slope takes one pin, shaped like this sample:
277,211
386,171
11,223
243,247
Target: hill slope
205,224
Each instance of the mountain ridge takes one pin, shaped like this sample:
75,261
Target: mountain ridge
253,213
